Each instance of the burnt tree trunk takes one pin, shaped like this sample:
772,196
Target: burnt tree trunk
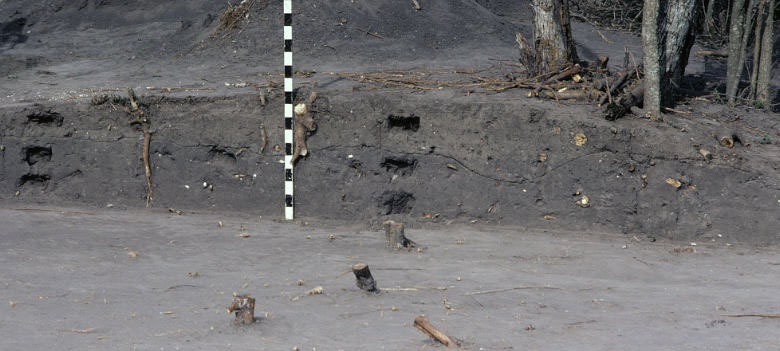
553,44
674,24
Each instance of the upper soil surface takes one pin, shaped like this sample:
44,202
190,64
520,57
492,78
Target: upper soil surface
474,155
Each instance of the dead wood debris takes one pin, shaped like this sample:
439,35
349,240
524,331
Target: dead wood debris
761,315
139,116
304,125
263,139
232,16
426,327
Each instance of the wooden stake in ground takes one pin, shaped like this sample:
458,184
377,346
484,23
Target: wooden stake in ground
428,328
365,281
394,236
244,307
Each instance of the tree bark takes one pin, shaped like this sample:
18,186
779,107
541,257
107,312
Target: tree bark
553,42
734,69
675,22
650,49
757,48
765,60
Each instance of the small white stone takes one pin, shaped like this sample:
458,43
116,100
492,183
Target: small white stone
187,187
350,156
205,184
693,244
254,175
720,235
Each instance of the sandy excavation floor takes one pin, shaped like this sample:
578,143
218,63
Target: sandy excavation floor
123,280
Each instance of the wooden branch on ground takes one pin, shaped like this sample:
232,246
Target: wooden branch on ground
365,281
147,167
244,307
509,289
715,53
395,238
568,94
416,5
368,32
564,74
762,315
615,86
428,328
623,105
141,119
263,139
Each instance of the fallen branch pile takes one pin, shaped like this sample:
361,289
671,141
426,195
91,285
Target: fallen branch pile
617,92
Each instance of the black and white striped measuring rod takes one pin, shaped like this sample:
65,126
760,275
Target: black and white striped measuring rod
288,113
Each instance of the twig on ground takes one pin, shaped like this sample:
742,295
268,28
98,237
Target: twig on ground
368,32
509,289
762,315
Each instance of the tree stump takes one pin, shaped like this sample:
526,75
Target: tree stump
364,279
395,238
244,307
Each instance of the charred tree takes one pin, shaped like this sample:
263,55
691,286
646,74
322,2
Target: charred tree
668,34
740,29
764,59
553,44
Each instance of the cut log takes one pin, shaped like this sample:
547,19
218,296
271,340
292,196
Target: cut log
395,238
740,138
569,94
244,307
428,328
725,138
365,281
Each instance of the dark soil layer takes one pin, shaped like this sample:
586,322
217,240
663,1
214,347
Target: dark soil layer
447,156
432,157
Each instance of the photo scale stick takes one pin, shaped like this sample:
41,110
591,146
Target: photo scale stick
289,202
